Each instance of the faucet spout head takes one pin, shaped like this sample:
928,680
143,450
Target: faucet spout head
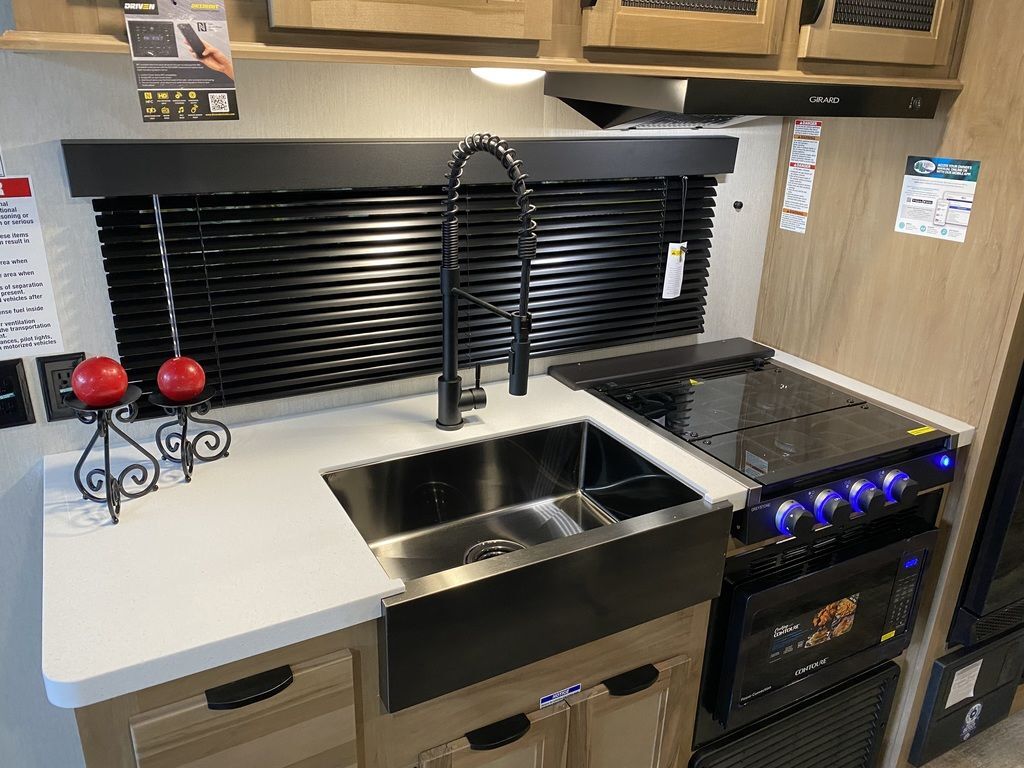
519,356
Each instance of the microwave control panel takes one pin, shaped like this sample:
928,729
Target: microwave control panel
904,593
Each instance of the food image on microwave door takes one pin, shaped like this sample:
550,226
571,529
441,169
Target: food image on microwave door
833,620
843,626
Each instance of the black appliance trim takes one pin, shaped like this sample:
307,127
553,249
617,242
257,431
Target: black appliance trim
464,638
778,739
706,357
98,168
975,621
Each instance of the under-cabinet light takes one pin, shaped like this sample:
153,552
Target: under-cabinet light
508,76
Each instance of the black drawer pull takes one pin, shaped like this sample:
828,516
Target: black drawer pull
634,681
249,690
500,733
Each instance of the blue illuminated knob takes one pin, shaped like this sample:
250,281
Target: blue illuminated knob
793,519
899,487
866,497
831,509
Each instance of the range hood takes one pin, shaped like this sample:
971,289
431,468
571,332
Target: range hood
624,102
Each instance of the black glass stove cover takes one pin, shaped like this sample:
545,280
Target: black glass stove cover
769,423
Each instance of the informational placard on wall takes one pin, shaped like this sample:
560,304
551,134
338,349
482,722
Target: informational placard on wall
937,197
28,313
803,160
182,57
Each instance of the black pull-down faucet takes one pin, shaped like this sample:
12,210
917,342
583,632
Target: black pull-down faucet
452,399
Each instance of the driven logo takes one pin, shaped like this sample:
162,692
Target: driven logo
139,7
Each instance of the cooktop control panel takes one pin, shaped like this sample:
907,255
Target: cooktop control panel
858,498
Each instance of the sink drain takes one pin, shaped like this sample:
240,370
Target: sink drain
485,550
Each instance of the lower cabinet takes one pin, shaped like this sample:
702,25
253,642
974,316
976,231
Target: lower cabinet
281,718
537,740
638,719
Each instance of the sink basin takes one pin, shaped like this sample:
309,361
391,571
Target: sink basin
446,508
519,547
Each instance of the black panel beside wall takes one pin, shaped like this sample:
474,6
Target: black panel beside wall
291,292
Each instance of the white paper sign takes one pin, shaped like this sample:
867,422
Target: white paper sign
28,313
675,263
962,688
937,197
803,160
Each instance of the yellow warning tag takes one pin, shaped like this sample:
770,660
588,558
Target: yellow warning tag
920,431
695,382
888,635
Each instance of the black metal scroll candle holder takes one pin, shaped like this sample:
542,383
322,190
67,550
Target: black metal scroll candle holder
172,437
100,484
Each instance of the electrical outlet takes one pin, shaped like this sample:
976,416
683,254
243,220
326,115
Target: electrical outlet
55,380
15,403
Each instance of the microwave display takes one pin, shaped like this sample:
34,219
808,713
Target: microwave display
814,628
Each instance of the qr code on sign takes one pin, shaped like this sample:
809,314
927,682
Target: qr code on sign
219,102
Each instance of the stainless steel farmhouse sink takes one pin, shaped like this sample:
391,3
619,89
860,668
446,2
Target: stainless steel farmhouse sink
516,548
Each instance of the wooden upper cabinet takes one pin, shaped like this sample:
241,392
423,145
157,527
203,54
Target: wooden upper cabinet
267,723
507,19
920,32
539,743
706,26
645,723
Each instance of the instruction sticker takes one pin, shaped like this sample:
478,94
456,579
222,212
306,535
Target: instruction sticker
937,197
962,687
28,313
803,160
182,58
553,698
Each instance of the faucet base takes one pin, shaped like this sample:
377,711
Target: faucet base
450,427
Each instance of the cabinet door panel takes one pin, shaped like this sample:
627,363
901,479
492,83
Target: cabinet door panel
310,723
919,32
508,19
735,26
645,729
543,746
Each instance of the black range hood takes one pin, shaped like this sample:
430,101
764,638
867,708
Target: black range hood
625,102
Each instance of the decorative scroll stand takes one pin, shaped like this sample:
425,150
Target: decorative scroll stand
172,437
101,484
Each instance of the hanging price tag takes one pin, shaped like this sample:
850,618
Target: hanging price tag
674,264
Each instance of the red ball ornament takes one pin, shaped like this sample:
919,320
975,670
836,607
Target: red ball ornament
181,379
99,382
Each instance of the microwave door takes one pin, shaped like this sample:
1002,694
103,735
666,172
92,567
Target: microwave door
782,632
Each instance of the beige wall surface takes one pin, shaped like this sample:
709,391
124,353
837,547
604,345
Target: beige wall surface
48,97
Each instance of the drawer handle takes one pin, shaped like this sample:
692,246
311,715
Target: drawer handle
500,733
634,681
249,690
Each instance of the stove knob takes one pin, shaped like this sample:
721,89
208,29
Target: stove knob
866,497
899,487
793,519
831,509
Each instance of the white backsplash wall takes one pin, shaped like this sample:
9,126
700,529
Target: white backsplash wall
48,97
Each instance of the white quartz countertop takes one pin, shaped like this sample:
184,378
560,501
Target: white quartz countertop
256,553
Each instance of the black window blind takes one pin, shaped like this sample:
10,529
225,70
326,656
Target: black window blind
282,293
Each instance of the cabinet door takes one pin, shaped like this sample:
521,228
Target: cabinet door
508,19
712,26
542,745
265,722
884,31
636,720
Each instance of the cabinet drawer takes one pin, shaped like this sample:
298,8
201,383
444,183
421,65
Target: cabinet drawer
542,745
262,722
639,719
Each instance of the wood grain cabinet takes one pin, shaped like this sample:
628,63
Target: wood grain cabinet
537,740
508,19
708,26
282,718
918,32
640,719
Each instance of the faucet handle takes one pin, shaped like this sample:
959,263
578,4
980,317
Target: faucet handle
477,385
